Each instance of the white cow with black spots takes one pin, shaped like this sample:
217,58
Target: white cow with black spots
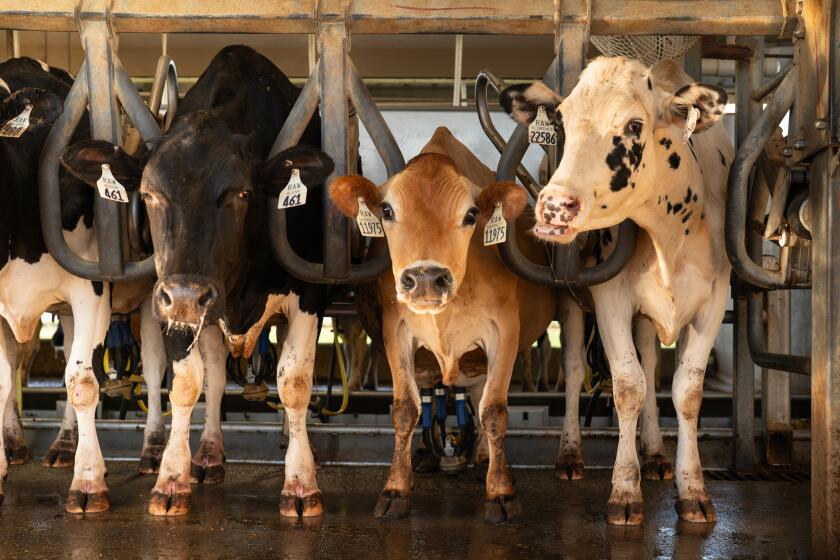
624,157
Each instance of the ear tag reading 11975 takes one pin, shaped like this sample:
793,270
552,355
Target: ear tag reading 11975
18,125
294,193
690,123
109,187
495,231
542,130
368,222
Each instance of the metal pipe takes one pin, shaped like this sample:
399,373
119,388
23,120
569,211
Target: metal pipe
299,116
166,79
738,187
138,112
771,86
758,344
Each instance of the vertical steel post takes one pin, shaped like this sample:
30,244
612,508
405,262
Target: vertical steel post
104,125
333,47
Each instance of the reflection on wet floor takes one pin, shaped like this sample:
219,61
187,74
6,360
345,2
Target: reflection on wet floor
239,519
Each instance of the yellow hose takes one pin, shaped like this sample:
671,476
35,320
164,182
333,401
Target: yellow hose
342,369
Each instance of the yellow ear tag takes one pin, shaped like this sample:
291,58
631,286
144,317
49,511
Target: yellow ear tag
495,231
368,223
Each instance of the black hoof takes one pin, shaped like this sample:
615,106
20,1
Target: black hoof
657,468
292,505
625,513
503,509
697,511
209,475
81,502
568,468
392,505
169,505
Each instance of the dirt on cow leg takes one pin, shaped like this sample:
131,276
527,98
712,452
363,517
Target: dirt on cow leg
17,453
502,505
395,500
152,453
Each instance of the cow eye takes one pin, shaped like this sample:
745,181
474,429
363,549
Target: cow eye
469,219
634,127
387,212
245,195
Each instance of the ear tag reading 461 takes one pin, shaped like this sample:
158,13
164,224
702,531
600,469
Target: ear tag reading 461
294,193
18,125
542,130
495,231
368,222
109,187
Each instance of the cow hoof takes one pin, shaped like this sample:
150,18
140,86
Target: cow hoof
79,501
697,511
424,461
17,455
292,505
150,460
392,504
569,467
207,474
169,504
657,468
503,509
59,457
626,512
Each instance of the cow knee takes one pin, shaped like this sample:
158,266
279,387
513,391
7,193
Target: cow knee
294,389
629,394
185,390
494,420
404,416
688,394
83,389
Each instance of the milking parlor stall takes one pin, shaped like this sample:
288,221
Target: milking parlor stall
427,279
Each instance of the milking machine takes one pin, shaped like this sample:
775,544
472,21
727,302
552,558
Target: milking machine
447,450
116,363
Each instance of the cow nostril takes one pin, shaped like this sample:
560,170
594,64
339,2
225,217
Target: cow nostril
573,206
408,282
167,300
444,281
207,297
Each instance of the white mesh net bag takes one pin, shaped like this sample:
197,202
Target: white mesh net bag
649,49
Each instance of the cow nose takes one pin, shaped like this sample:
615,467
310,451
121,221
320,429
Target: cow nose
185,301
555,209
427,281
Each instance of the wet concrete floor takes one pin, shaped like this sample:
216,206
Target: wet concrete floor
239,519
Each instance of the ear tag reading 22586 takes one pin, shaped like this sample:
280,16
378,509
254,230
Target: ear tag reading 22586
368,222
109,187
294,193
495,231
542,130
18,125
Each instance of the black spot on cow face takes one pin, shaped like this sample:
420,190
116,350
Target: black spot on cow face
687,216
674,160
677,207
649,84
620,160
687,232
666,142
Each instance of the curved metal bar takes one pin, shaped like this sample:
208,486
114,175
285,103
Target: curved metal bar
738,188
136,109
166,78
768,88
300,115
49,193
757,342
485,78
375,124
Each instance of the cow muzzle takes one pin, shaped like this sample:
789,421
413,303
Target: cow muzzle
426,288
184,300
555,215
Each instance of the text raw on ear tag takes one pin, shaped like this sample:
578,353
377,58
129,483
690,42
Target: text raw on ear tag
294,193
495,231
368,222
18,125
109,187
542,130
690,123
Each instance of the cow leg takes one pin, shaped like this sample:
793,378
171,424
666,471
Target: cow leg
655,466
300,496
569,464
208,462
153,357
171,494
91,314
395,500
481,454
614,317
14,439
5,389
357,341
502,505
62,452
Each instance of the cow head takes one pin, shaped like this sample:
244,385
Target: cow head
609,120
429,213
202,188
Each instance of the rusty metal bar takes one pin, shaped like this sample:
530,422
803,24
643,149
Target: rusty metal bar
527,17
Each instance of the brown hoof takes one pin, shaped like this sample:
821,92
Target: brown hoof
657,468
149,463
292,505
503,509
59,458
625,512
207,474
696,511
80,502
17,455
568,467
392,504
170,505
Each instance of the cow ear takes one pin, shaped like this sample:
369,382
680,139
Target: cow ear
710,102
345,192
521,101
511,196
84,161
45,107
314,166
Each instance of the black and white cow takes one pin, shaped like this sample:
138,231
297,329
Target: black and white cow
206,187
629,153
31,282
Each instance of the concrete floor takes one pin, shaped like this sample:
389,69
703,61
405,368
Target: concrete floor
239,519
